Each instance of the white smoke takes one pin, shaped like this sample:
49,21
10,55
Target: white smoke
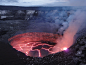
76,22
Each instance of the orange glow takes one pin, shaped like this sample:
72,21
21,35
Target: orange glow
32,43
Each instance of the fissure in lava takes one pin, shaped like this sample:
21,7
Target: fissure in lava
34,44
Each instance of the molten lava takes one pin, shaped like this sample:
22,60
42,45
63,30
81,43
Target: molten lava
34,44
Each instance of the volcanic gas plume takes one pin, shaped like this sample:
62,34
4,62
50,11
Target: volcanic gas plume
78,22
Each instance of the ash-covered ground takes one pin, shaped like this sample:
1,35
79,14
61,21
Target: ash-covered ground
52,21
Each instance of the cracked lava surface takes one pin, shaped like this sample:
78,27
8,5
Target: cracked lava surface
34,44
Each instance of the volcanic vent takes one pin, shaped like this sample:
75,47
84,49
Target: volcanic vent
34,44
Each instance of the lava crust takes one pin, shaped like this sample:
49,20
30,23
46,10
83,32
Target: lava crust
34,44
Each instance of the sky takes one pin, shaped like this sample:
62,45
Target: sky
44,2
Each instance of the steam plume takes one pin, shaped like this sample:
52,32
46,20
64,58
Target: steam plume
78,20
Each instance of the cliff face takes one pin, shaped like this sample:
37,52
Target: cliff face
16,14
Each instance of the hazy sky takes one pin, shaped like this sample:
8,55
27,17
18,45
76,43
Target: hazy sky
43,2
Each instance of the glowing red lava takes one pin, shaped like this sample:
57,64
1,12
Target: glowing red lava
34,44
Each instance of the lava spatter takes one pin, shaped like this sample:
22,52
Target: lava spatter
34,44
